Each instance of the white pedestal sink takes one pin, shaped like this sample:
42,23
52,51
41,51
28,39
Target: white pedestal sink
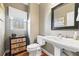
62,43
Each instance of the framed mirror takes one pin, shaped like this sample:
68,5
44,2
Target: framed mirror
64,16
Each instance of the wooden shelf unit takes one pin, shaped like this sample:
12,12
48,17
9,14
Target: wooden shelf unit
18,46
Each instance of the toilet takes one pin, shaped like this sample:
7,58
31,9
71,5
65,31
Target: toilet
35,48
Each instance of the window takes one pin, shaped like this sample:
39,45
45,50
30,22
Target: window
18,19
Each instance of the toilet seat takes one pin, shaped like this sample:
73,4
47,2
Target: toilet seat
33,47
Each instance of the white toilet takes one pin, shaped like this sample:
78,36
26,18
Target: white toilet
35,48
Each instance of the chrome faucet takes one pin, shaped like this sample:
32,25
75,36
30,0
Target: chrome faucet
60,35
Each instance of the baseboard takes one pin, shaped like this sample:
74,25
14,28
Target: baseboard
49,54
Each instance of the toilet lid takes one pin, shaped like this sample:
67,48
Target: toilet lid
35,45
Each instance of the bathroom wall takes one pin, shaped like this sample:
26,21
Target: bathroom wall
45,24
33,22
2,28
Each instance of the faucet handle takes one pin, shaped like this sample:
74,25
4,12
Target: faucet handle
59,34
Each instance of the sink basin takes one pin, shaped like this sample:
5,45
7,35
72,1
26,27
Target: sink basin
64,43
60,43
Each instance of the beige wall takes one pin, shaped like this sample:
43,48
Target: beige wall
33,23
45,24
2,28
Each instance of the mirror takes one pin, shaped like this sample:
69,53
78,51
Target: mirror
64,16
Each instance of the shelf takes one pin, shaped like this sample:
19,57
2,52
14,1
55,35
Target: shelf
17,42
18,47
17,37
18,52
23,54
13,51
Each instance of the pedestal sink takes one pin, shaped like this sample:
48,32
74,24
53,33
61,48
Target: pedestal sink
62,43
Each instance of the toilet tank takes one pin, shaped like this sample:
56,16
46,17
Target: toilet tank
40,40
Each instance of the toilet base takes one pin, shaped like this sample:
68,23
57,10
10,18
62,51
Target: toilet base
35,53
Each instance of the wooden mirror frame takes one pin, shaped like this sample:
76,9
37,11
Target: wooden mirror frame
76,24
